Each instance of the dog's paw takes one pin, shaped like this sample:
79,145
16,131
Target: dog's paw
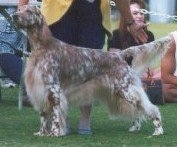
134,128
39,134
52,134
158,131
58,133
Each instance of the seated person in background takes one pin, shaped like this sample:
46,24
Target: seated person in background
122,38
9,38
169,71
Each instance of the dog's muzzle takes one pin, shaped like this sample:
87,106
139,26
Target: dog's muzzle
17,21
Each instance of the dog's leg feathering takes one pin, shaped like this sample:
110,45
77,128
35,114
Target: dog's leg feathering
144,108
152,112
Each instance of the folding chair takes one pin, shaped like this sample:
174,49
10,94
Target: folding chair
14,57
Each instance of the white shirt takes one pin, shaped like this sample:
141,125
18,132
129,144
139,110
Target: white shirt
175,38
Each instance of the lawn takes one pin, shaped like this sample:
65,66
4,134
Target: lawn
161,30
17,127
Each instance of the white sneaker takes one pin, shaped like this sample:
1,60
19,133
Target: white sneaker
9,85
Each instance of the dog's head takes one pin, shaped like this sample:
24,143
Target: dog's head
28,16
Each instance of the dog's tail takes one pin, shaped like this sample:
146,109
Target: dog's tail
144,55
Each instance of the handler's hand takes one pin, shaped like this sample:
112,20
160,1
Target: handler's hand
138,33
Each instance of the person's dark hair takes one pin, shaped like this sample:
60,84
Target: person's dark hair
123,27
139,2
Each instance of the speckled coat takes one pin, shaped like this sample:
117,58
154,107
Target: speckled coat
58,74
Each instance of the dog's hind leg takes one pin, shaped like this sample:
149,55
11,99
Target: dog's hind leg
150,110
154,113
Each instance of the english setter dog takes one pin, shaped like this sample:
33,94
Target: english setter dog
58,74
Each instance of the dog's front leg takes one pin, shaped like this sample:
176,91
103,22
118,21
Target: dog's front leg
43,126
58,123
59,113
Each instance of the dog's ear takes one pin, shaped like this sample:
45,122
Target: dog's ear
37,9
33,9
144,55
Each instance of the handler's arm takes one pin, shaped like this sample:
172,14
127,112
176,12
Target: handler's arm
136,30
168,65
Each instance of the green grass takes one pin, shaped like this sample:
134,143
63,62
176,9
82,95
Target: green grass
17,128
161,30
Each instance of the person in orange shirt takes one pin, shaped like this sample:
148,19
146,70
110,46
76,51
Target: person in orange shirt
85,23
